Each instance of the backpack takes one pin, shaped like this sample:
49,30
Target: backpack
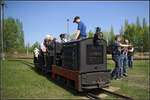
110,48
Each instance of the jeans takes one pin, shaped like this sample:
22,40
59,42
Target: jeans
130,61
115,72
123,63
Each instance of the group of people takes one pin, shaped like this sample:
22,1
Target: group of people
46,48
121,53
48,41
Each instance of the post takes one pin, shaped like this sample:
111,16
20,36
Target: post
107,37
67,29
2,30
149,45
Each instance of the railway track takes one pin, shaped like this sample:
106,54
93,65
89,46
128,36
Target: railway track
91,95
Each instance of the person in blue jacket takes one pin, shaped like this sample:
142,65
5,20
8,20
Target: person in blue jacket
81,30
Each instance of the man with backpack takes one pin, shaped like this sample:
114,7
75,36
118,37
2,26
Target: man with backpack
116,52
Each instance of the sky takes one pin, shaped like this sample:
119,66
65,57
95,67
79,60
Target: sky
50,17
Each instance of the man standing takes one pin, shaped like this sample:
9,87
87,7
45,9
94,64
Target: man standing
130,57
81,30
116,50
123,60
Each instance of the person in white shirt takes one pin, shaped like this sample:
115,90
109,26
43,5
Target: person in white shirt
63,38
36,52
46,42
45,45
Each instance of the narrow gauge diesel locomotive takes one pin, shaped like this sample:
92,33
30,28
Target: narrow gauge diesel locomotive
79,64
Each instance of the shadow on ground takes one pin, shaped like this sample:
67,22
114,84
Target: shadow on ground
48,76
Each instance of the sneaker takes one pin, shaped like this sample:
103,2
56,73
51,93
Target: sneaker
125,75
112,78
117,79
121,76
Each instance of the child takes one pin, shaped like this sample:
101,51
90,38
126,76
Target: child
36,53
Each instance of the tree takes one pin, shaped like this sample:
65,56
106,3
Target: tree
111,35
130,33
106,36
10,35
137,35
13,35
144,22
71,36
145,38
90,34
36,45
20,38
122,31
138,21
126,23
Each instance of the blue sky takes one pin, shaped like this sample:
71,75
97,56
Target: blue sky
48,17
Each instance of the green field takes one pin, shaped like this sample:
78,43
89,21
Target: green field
19,80
136,85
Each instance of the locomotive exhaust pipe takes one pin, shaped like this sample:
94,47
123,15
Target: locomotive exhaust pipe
98,35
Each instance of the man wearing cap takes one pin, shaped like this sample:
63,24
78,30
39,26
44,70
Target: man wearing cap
81,30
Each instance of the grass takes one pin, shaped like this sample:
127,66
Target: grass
21,81
135,56
136,84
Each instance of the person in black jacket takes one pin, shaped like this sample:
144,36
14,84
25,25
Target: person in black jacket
116,52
